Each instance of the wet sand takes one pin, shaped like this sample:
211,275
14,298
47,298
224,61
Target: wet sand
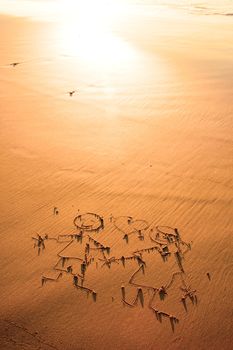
147,137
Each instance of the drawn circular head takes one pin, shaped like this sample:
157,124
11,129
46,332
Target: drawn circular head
167,232
129,225
89,222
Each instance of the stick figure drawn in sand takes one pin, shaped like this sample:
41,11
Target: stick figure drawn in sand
85,224
165,241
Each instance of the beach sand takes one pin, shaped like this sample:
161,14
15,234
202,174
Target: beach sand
147,136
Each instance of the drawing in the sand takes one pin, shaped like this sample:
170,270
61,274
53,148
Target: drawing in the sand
165,241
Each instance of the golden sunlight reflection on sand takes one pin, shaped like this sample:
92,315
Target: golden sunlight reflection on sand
93,45
86,32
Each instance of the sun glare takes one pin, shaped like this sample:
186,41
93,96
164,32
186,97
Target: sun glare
86,31
90,12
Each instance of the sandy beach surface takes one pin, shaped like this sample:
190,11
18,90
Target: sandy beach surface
147,134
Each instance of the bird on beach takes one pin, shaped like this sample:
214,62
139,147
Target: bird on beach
14,64
71,93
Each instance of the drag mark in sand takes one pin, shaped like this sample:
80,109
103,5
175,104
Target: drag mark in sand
24,339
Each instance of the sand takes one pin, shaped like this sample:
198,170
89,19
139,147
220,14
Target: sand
148,136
